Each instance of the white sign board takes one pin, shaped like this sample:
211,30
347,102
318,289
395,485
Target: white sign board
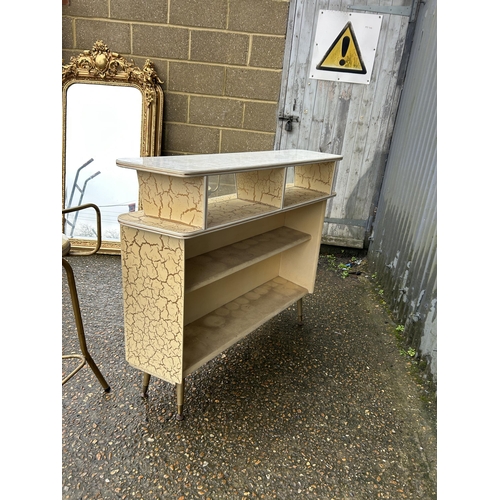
345,46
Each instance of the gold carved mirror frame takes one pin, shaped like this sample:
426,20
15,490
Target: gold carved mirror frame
102,67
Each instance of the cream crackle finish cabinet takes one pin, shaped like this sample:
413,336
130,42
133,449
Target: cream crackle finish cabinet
202,268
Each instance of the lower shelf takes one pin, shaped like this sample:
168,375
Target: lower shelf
210,335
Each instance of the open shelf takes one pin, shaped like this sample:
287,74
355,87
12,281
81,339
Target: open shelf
211,334
212,266
226,210
299,196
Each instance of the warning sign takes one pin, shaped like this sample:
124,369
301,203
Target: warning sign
345,46
344,54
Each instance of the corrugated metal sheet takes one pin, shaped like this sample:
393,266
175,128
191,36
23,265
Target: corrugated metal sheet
404,240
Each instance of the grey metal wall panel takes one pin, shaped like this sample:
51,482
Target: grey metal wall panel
403,250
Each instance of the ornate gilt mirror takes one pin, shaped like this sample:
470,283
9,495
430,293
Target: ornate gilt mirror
111,109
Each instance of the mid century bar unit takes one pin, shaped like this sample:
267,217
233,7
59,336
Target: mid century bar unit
203,268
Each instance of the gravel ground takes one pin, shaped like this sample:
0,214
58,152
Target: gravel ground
328,410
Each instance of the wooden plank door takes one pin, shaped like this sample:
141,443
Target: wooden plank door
351,119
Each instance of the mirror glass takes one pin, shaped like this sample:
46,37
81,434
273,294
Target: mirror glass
103,123
111,109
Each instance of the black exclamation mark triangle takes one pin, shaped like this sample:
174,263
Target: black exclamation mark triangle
345,45
344,54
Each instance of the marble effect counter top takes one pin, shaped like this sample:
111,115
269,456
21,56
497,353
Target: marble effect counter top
215,164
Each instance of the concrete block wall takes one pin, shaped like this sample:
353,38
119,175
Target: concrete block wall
220,62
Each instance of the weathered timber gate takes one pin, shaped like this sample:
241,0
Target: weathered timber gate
352,119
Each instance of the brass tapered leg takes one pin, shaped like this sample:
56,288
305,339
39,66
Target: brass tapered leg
180,399
299,311
145,383
85,356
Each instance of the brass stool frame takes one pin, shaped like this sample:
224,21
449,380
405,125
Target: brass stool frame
84,357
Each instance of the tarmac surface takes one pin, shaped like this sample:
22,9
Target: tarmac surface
332,409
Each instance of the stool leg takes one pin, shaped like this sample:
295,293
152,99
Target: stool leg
145,383
180,400
79,325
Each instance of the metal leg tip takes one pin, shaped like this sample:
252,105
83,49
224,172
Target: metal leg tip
180,415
